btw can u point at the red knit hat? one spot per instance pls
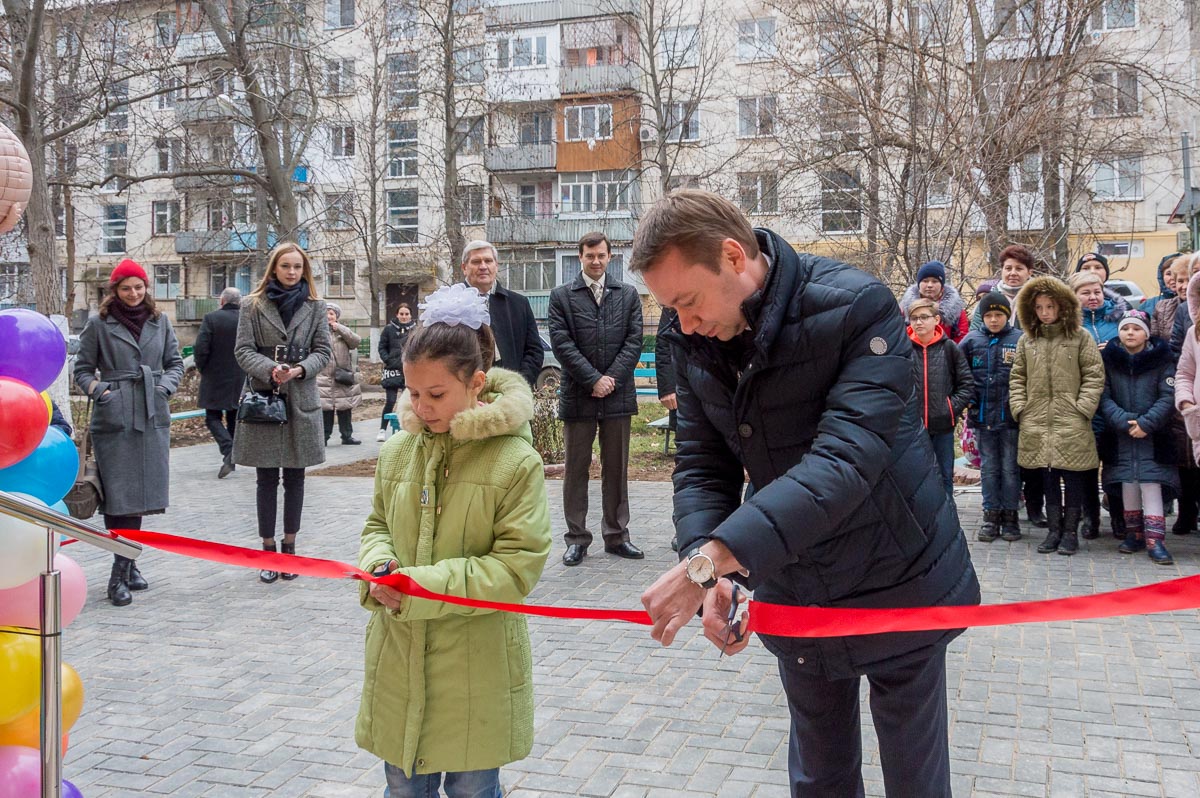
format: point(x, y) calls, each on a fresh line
point(128, 268)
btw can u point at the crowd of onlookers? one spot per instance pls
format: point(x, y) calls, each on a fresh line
point(1070, 398)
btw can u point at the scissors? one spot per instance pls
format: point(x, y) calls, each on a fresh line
point(733, 627)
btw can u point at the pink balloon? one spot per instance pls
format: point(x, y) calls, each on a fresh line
point(20, 772)
point(21, 605)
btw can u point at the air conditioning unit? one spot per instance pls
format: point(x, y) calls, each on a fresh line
point(646, 134)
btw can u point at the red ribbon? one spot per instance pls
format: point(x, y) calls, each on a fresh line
point(772, 619)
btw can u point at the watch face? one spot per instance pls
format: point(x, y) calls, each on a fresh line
point(700, 569)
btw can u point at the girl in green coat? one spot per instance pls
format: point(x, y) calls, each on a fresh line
point(460, 506)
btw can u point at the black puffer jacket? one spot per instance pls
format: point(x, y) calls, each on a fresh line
point(944, 382)
point(593, 341)
point(849, 508)
point(391, 343)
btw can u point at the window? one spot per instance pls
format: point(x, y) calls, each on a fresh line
point(339, 211)
point(112, 229)
point(224, 214)
point(118, 100)
point(588, 122)
point(222, 277)
point(170, 90)
point(839, 122)
point(339, 13)
point(759, 192)
point(166, 281)
point(933, 18)
point(402, 19)
point(756, 117)
point(339, 76)
point(471, 201)
point(402, 149)
point(680, 47)
point(520, 52)
point(833, 60)
point(60, 212)
point(402, 81)
point(1113, 14)
point(616, 267)
point(165, 217)
point(221, 149)
point(1013, 17)
point(1135, 248)
point(1027, 178)
point(169, 154)
point(529, 269)
point(466, 6)
point(165, 34)
point(1118, 179)
point(342, 141)
point(339, 278)
point(116, 162)
point(937, 190)
point(468, 65)
point(536, 127)
point(756, 40)
point(402, 216)
point(1115, 93)
point(527, 195)
point(683, 121)
point(595, 192)
point(841, 201)
point(680, 182)
point(10, 281)
point(471, 129)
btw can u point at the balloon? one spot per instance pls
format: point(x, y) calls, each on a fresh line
point(49, 406)
point(20, 772)
point(16, 179)
point(23, 421)
point(23, 548)
point(26, 730)
point(21, 675)
point(32, 349)
point(61, 507)
point(21, 605)
point(48, 473)
point(69, 790)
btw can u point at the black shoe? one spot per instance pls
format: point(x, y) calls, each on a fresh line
point(989, 530)
point(626, 550)
point(226, 469)
point(1036, 517)
point(288, 548)
point(1091, 526)
point(118, 590)
point(575, 554)
point(675, 545)
point(1010, 528)
point(1184, 525)
point(134, 578)
point(266, 575)
point(351, 441)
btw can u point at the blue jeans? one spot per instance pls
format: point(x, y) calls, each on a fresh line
point(943, 449)
point(1000, 476)
point(468, 784)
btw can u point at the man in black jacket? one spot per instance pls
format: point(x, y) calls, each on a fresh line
point(221, 378)
point(517, 341)
point(596, 333)
point(797, 370)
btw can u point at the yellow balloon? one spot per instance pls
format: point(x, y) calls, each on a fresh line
point(49, 405)
point(21, 675)
point(26, 730)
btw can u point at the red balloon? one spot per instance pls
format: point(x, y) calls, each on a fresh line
point(23, 421)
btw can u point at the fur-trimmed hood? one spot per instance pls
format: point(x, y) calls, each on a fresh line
point(1193, 296)
point(951, 305)
point(1070, 315)
point(1154, 356)
point(506, 409)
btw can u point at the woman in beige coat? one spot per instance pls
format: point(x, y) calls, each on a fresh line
point(340, 397)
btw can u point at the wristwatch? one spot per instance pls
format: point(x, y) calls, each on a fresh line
point(701, 570)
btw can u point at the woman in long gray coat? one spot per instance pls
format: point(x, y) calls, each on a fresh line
point(129, 363)
point(337, 398)
point(282, 345)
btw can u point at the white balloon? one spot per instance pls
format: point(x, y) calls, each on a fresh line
point(22, 551)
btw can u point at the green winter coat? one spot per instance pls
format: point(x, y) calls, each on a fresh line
point(1056, 384)
point(448, 688)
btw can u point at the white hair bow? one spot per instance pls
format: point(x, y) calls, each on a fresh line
point(456, 304)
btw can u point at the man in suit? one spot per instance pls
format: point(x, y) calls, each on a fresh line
point(596, 332)
point(518, 346)
point(221, 378)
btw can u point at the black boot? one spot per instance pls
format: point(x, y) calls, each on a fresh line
point(1091, 524)
point(989, 530)
point(118, 589)
point(1070, 532)
point(134, 578)
point(288, 548)
point(266, 575)
point(1010, 528)
point(1054, 525)
point(1036, 517)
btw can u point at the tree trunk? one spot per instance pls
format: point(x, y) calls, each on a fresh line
point(1052, 210)
point(69, 233)
point(39, 223)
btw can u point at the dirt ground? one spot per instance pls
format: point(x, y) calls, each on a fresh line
point(643, 467)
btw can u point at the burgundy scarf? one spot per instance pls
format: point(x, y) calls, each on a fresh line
point(131, 318)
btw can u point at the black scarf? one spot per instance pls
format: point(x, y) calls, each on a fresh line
point(404, 328)
point(287, 300)
point(131, 318)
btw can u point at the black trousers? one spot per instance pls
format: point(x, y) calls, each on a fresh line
point(222, 424)
point(908, 708)
point(1033, 486)
point(267, 497)
point(122, 522)
point(1070, 495)
point(1091, 497)
point(344, 420)
point(614, 478)
point(1189, 496)
point(389, 404)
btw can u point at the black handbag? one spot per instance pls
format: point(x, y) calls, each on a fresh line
point(262, 407)
point(346, 376)
point(392, 378)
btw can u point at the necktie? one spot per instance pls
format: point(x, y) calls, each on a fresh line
point(597, 292)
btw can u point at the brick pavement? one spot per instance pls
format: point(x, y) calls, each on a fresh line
point(212, 684)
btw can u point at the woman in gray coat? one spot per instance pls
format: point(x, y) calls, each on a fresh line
point(129, 363)
point(282, 345)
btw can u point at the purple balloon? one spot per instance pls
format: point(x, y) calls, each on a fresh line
point(32, 349)
point(70, 790)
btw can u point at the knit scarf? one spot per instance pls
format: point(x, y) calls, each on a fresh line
point(287, 300)
point(131, 318)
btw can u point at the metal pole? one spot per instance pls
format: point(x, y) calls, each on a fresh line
point(51, 703)
point(1189, 205)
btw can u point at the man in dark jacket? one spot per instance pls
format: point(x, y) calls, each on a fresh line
point(517, 341)
point(797, 370)
point(596, 333)
point(221, 378)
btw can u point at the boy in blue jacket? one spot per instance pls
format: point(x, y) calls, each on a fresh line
point(990, 353)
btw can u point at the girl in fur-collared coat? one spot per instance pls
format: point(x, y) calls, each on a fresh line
point(460, 507)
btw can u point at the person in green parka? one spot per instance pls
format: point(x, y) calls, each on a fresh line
point(459, 506)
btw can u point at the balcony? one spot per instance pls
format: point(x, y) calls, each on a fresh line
point(204, 45)
point(301, 179)
point(202, 110)
point(597, 79)
point(523, 158)
point(194, 308)
point(552, 230)
point(542, 11)
point(242, 238)
point(198, 46)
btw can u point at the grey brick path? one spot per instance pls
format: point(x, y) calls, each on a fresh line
point(212, 684)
